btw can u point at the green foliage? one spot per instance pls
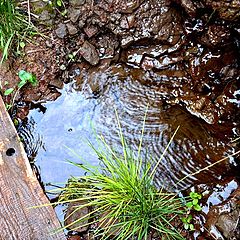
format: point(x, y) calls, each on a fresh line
point(25, 77)
point(122, 197)
point(187, 221)
point(14, 28)
point(57, 5)
point(8, 91)
point(194, 203)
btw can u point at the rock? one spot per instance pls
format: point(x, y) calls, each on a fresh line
point(189, 7)
point(57, 83)
point(46, 18)
point(216, 36)
point(228, 10)
point(76, 3)
point(91, 30)
point(74, 237)
point(224, 216)
point(89, 53)
point(72, 30)
point(74, 14)
point(72, 215)
point(61, 30)
point(81, 24)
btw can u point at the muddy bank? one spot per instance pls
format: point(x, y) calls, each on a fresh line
point(181, 58)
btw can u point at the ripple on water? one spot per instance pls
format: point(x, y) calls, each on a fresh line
point(68, 122)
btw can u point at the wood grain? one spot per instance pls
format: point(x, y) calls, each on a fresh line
point(20, 190)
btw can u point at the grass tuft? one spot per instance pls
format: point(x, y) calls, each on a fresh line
point(121, 196)
point(14, 28)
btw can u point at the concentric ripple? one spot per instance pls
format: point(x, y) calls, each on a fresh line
point(91, 103)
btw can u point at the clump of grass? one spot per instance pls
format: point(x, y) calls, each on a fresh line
point(121, 196)
point(14, 28)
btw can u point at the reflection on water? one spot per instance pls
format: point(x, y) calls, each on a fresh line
point(91, 100)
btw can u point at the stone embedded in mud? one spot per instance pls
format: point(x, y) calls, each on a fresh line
point(151, 20)
point(46, 18)
point(74, 237)
point(89, 53)
point(225, 216)
point(228, 10)
point(107, 45)
point(74, 14)
point(72, 30)
point(57, 83)
point(189, 7)
point(91, 30)
point(61, 30)
point(216, 36)
point(72, 215)
point(76, 3)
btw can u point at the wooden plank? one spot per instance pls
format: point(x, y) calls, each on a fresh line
point(20, 190)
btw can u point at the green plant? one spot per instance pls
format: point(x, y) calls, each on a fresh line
point(121, 196)
point(57, 4)
point(14, 28)
point(25, 77)
point(187, 221)
point(194, 203)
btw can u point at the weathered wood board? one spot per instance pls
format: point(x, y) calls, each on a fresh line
point(20, 190)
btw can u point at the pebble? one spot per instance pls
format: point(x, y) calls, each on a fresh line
point(74, 15)
point(72, 30)
point(61, 30)
point(89, 53)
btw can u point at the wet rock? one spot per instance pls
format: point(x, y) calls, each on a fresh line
point(74, 14)
point(72, 215)
point(89, 53)
point(216, 36)
point(189, 7)
point(61, 30)
point(155, 20)
point(107, 45)
point(74, 237)
point(223, 218)
point(72, 30)
point(57, 83)
point(228, 10)
point(104, 222)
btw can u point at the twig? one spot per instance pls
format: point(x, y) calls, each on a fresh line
point(29, 12)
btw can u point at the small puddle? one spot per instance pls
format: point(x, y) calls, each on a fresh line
point(65, 125)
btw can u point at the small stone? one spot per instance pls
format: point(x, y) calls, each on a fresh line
point(57, 83)
point(49, 44)
point(72, 30)
point(46, 18)
point(76, 3)
point(81, 24)
point(91, 30)
point(124, 23)
point(74, 15)
point(72, 215)
point(89, 53)
point(61, 30)
point(62, 67)
point(74, 237)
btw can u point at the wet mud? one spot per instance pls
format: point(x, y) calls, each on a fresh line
point(180, 58)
